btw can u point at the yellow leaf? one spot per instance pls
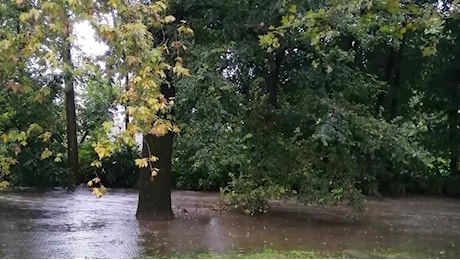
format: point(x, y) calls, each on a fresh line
point(153, 158)
point(4, 184)
point(34, 128)
point(107, 125)
point(159, 130)
point(99, 192)
point(93, 182)
point(102, 149)
point(185, 30)
point(175, 129)
point(4, 137)
point(131, 110)
point(159, 6)
point(113, 3)
point(169, 19)
point(34, 13)
point(23, 17)
point(154, 173)
point(12, 161)
point(141, 163)
point(46, 136)
point(96, 163)
point(45, 154)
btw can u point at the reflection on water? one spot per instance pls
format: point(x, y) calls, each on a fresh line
point(61, 225)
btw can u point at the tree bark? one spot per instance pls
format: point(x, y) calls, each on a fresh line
point(453, 116)
point(155, 194)
point(390, 100)
point(272, 78)
point(71, 118)
point(453, 130)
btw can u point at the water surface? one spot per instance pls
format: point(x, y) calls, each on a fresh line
point(77, 225)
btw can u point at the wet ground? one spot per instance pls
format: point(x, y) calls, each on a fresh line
point(61, 225)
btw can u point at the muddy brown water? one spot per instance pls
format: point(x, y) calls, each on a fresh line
point(61, 225)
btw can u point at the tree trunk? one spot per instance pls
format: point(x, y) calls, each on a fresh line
point(155, 196)
point(71, 130)
point(453, 133)
point(453, 117)
point(272, 78)
point(389, 101)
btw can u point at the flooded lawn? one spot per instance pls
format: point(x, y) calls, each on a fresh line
point(61, 225)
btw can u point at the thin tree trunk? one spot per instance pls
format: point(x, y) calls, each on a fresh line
point(454, 153)
point(390, 100)
point(71, 130)
point(454, 106)
point(272, 78)
point(126, 106)
point(453, 118)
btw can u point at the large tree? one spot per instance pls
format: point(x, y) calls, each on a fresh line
point(144, 54)
point(40, 35)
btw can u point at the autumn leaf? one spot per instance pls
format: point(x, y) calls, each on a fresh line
point(16, 87)
point(4, 138)
point(107, 126)
point(103, 150)
point(99, 192)
point(17, 149)
point(96, 163)
point(185, 30)
point(141, 163)
point(46, 154)
point(154, 172)
point(46, 136)
point(169, 19)
point(92, 182)
point(4, 184)
point(159, 130)
point(35, 14)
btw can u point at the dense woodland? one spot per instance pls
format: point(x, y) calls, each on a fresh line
point(326, 101)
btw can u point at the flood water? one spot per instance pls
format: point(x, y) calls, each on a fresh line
point(77, 225)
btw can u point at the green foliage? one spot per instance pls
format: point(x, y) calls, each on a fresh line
point(99, 98)
point(34, 135)
point(329, 109)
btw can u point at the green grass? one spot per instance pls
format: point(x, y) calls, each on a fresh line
point(292, 254)
point(263, 254)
